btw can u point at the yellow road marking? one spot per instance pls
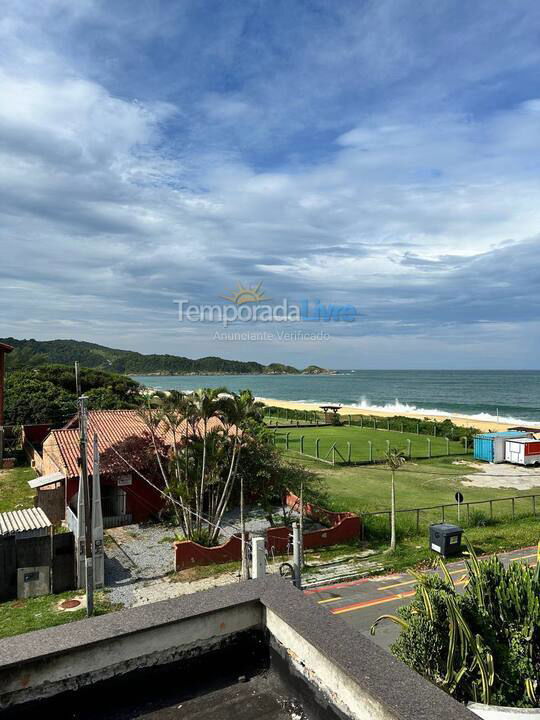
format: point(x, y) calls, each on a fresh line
point(320, 602)
point(412, 582)
point(379, 601)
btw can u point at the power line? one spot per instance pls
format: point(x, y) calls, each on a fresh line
point(174, 500)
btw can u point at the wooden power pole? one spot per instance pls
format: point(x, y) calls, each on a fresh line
point(87, 520)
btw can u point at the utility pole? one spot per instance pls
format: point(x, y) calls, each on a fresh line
point(302, 525)
point(297, 576)
point(97, 520)
point(87, 520)
point(245, 567)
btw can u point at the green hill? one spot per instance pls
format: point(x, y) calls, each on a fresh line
point(35, 353)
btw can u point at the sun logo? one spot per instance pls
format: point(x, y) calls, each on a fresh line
point(246, 295)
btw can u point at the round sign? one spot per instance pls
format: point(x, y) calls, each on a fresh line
point(459, 497)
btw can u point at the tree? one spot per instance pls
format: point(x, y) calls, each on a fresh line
point(239, 410)
point(203, 459)
point(394, 459)
point(48, 394)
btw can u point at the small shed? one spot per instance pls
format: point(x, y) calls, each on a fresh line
point(27, 523)
point(490, 447)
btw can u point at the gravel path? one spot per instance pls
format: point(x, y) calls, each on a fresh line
point(136, 555)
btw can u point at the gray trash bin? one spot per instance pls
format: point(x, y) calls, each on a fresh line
point(445, 539)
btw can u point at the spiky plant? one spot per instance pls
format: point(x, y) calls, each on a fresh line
point(483, 645)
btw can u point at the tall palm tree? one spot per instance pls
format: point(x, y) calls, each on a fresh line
point(207, 403)
point(238, 409)
point(394, 459)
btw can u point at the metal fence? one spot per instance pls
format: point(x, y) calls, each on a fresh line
point(490, 511)
point(367, 452)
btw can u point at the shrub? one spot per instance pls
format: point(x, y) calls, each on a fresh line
point(483, 645)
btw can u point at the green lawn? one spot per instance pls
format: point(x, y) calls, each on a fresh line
point(359, 439)
point(423, 483)
point(14, 490)
point(21, 616)
point(413, 550)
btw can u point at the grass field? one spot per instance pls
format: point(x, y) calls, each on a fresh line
point(14, 490)
point(422, 483)
point(359, 439)
point(20, 616)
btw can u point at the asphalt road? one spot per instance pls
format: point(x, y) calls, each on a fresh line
point(360, 602)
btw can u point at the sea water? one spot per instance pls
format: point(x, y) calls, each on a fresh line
point(510, 395)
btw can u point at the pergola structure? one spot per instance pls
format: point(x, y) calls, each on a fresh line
point(4, 350)
point(330, 410)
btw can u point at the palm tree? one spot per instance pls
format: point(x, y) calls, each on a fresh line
point(394, 459)
point(238, 409)
point(207, 403)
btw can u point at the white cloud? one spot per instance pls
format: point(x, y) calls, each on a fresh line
point(113, 206)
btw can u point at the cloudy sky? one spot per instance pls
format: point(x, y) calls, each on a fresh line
point(382, 153)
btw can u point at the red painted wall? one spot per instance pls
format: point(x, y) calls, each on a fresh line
point(344, 527)
point(142, 501)
point(189, 554)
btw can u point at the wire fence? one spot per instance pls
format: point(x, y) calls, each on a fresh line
point(478, 513)
point(366, 451)
point(275, 415)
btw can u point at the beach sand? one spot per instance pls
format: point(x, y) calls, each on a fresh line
point(481, 425)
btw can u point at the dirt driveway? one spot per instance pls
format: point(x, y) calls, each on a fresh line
point(503, 475)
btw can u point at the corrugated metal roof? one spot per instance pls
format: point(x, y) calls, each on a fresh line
point(17, 521)
point(524, 440)
point(46, 479)
point(112, 427)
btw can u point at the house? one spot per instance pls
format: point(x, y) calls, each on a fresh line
point(127, 495)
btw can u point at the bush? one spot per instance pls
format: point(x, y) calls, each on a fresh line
point(482, 646)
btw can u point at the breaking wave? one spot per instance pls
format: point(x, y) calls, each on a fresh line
point(400, 408)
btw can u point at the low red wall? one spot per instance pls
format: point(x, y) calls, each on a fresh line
point(189, 554)
point(344, 526)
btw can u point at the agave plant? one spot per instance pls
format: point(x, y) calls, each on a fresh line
point(483, 645)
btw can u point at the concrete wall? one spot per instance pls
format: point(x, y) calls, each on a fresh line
point(190, 554)
point(128, 641)
point(347, 669)
point(50, 499)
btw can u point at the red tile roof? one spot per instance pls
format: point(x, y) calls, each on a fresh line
point(112, 427)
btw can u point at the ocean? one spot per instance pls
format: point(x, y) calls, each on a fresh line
point(478, 394)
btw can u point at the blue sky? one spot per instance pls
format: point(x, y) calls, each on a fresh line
point(384, 154)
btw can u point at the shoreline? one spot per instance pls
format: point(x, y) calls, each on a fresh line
point(463, 420)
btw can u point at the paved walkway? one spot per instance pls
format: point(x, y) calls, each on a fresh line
point(360, 602)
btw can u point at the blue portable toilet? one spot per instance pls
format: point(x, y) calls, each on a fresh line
point(490, 447)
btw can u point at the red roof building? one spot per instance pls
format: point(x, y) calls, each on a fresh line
point(126, 496)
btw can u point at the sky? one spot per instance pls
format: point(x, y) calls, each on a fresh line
point(376, 153)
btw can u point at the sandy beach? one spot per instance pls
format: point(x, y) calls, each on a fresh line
point(481, 425)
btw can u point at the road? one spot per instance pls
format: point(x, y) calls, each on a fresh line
point(360, 602)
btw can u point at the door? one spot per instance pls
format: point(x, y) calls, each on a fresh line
point(8, 569)
point(63, 562)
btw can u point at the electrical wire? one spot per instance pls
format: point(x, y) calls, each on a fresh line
point(174, 500)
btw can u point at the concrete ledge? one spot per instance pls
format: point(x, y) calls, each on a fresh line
point(354, 674)
point(360, 672)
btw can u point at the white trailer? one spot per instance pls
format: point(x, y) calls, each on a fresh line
point(522, 451)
